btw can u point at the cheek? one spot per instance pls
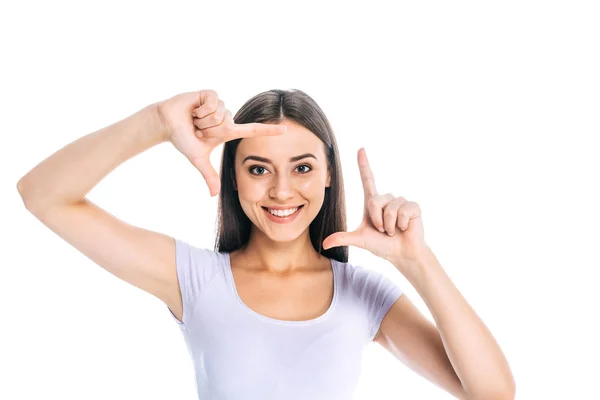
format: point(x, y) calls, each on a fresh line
point(249, 189)
point(249, 193)
point(310, 189)
point(314, 186)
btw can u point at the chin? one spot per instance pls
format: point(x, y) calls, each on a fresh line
point(286, 237)
point(280, 233)
point(283, 234)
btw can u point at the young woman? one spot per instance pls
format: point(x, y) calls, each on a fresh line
point(276, 311)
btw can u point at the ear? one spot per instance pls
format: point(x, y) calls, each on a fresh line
point(328, 184)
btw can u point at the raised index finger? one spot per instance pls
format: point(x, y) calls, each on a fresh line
point(366, 175)
point(258, 129)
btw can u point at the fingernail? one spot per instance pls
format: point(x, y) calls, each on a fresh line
point(381, 230)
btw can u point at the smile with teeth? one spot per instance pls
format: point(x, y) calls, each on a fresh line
point(283, 213)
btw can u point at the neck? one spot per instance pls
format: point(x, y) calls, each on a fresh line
point(267, 255)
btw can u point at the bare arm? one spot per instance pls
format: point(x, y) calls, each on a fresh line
point(458, 353)
point(54, 191)
point(68, 175)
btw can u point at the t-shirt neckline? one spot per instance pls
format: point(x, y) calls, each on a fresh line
point(231, 281)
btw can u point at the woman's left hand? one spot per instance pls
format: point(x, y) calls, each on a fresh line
point(391, 227)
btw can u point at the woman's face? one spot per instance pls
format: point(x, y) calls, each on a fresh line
point(283, 172)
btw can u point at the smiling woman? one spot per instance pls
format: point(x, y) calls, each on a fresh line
point(276, 304)
point(270, 305)
point(284, 180)
point(279, 213)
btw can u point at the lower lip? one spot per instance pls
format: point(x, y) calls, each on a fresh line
point(283, 220)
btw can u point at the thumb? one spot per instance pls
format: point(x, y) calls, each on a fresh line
point(343, 239)
point(208, 172)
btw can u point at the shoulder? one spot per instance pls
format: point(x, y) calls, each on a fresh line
point(365, 281)
point(198, 262)
point(189, 252)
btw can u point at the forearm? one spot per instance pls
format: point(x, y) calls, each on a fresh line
point(474, 354)
point(69, 174)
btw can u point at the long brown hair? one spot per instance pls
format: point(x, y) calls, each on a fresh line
point(273, 106)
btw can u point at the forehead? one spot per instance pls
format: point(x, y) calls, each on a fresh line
point(296, 140)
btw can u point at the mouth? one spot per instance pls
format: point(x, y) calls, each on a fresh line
point(282, 216)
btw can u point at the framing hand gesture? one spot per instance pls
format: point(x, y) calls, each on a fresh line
point(391, 227)
point(197, 122)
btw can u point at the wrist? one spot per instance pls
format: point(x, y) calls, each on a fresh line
point(161, 130)
point(422, 260)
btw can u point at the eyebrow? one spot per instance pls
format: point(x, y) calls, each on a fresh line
point(266, 160)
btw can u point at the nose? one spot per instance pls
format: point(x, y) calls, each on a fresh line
point(282, 188)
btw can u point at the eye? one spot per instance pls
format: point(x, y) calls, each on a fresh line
point(257, 168)
point(305, 166)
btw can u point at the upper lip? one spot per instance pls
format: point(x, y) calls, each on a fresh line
point(281, 207)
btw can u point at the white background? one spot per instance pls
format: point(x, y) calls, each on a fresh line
point(485, 113)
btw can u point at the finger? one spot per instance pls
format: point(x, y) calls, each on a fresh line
point(390, 215)
point(209, 101)
point(410, 210)
point(257, 129)
point(212, 120)
point(208, 172)
point(403, 220)
point(222, 131)
point(375, 207)
point(366, 175)
point(343, 239)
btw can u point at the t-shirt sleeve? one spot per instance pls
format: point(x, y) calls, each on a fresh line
point(196, 267)
point(377, 293)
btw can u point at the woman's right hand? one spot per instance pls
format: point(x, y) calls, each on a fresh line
point(197, 122)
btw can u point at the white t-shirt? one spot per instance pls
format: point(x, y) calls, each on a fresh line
point(241, 354)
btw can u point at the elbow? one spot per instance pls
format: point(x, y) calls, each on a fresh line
point(499, 386)
point(507, 394)
point(20, 187)
point(504, 392)
point(21, 190)
point(510, 391)
point(25, 194)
